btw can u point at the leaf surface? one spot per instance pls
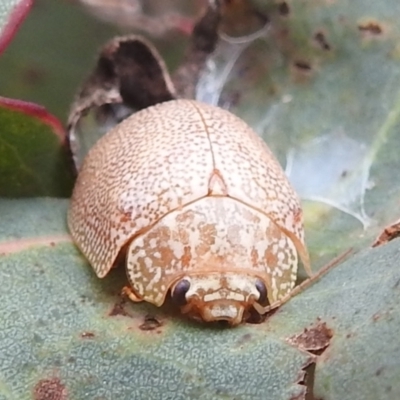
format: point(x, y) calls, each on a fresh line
point(65, 330)
point(33, 156)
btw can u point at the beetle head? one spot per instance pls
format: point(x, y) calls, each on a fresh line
point(216, 297)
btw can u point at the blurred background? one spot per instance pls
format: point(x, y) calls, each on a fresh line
point(57, 44)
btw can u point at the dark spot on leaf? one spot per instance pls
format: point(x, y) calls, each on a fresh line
point(314, 340)
point(50, 389)
point(119, 309)
point(302, 65)
point(379, 371)
point(150, 323)
point(283, 8)
point(83, 298)
point(87, 335)
point(371, 27)
point(321, 40)
point(71, 359)
point(397, 284)
point(33, 75)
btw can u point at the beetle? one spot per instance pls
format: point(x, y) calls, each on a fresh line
point(199, 206)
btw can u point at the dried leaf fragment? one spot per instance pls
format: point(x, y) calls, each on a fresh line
point(129, 75)
point(389, 233)
point(314, 340)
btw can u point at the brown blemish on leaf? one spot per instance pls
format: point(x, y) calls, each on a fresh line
point(283, 8)
point(371, 27)
point(314, 340)
point(321, 40)
point(17, 245)
point(33, 75)
point(87, 335)
point(301, 71)
point(150, 323)
point(50, 389)
point(389, 233)
point(119, 309)
point(302, 65)
point(379, 371)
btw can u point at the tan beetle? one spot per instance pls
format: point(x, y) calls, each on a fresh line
point(187, 192)
point(199, 204)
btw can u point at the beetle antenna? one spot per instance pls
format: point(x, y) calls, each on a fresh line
point(305, 284)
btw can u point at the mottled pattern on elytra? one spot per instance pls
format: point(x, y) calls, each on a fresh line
point(162, 158)
point(212, 235)
point(150, 164)
point(251, 172)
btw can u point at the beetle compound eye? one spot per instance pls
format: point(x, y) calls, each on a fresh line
point(260, 286)
point(179, 292)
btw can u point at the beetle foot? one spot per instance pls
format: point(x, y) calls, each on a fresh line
point(128, 291)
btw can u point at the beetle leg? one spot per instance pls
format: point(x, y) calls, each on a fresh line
point(304, 285)
point(128, 291)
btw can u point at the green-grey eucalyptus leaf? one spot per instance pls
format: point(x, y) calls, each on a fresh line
point(66, 332)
